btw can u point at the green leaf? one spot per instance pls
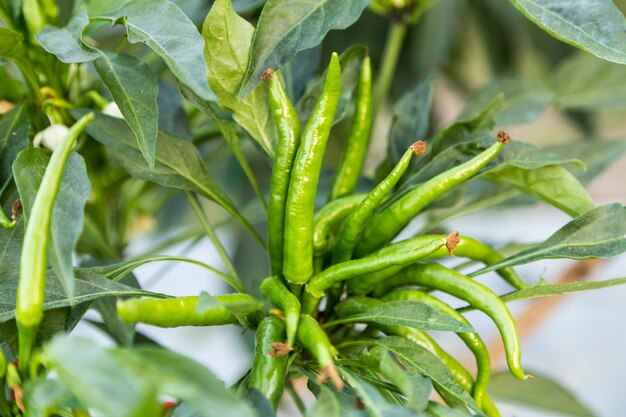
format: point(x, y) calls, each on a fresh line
point(333, 403)
point(584, 82)
point(407, 313)
point(350, 61)
point(96, 378)
point(597, 27)
point(13, 138)
point(228, 38)
point(134, 88)
point(553, 184)
point(11, 250)
point(327, 405)
point(411, 117)
point(558, 289)
point(539, 392)
point(599, 233)
point(187, 380)
point(418, 359)
point(438, 410)
point(66, 42)
point(88, 286)
point(165, 29)
point(10, 43)
point(43, 396)
point(285, 28)
point(376, 404)
point(178, 163)
point(67, 213)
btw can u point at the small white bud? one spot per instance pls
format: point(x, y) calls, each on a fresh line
point(50, 137)
point(111, 109)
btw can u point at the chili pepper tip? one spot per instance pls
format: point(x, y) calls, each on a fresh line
point(268, 75)
point(503, 137)
point(451, 241)
point(418, 148)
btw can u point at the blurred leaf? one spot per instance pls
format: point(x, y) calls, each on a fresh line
point(134, 88)
point(262, 405)
point(327, 405)
point(538, 392)
point(598, 27)
point(416, 358)
point(43, 396)
point(585, 82)
point(94, 375)
point(165, 29)
point(410, 314)
point(178, 163)
point(10, 43)
point(13, 138)
point(411, 117)
point(284, 28)
point(599, 233)
point(375, 403)
point(597, 154)
point(524, 100)
point(350, 61)
point(66, 42)
point(187, 380)
point(228, 38)
point(88, 286)
point(438, 410)
point(67, 214)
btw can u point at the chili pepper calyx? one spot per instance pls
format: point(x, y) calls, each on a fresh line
point(330, 373)
point(268, 75)
point(280, 349)
point(418, 148)
point(503, 137)
point(16, 209)
point(451, 241)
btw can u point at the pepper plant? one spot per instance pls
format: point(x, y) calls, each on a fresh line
point(117, 117)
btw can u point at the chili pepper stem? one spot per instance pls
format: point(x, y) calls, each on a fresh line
point(391, 54)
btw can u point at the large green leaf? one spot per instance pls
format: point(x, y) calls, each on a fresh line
point(539, 392)
point(66, 42)
point(67, 213)
point(13, 138)
point(98, 380)
point(10, 43)
point(187, 380)
point(407, 313)
point(165, 29)
point(584, 82)
point(599, 233)
point(228, 38)
point(177, 162)
point(134, 88)
point(88, 287)
point(596, 26)
point(417, 359)
point(285, 28)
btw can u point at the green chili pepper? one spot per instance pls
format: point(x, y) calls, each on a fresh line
point(283, 299)
point(183, 311)
point(5, 222)
point(440, 278)
point(312, 337)
point(391, 219)
point(346, 270)
point(471, 340)
point(288, 128)
point(269, 370)
point(298, 246)
point(30, 290)
point(353, 158)
point(358, 218)
point(466, 248)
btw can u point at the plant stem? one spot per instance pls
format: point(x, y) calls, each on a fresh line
point(296, 397)
point(391, 53)
point(195, 205)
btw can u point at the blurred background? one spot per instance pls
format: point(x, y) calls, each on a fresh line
point(555, 96)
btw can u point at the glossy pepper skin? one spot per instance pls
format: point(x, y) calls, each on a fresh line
point(288, 129)
point(183, 311)
point(312, 337)
point(269, 370)
point(357, 143)
point(392, 218)
point(282, 298)
point(298, 239)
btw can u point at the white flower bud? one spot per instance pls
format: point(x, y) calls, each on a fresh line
point(111, 109)
point(50, 137)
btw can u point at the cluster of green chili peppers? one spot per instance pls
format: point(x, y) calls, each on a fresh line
point(342, 255)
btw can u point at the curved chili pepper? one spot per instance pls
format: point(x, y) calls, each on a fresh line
point(298, 239)
point(283, 299)
point(312, 337)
